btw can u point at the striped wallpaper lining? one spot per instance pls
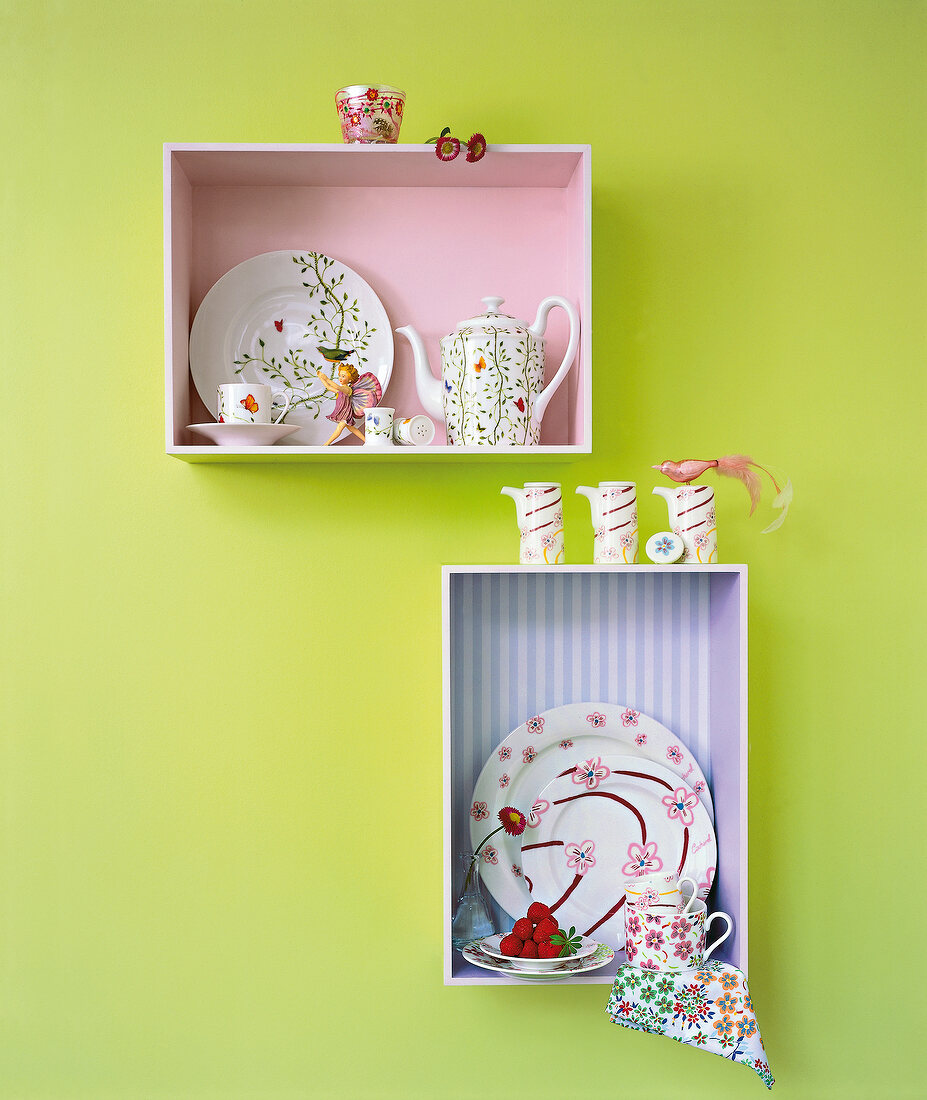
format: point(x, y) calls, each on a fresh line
point(521, 643)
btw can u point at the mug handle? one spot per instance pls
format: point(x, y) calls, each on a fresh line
point(720, 939)
point(286, 407)
point(694, 897)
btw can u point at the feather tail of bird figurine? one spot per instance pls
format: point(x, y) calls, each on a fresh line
point(741, 467)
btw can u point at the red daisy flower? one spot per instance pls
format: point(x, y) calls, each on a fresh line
point(372, 94)
point(476, 148)
point(447, 147)
point(513, 821)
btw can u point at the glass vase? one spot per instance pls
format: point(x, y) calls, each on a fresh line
point(471, 916)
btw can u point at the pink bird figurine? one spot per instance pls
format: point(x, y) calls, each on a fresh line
point(738, 466)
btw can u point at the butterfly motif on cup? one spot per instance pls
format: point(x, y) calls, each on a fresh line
point(479, 365)
point(249, 403)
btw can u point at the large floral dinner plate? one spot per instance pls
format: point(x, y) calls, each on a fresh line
point(280, 317)
point(564, 968)
point(606, 820)
point(538, 751)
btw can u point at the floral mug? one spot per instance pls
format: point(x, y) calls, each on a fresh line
point(671, 941)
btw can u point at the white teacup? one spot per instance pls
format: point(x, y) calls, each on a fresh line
point(661, 892)
point(378, 426)
point(668, 941)
point(250, 403)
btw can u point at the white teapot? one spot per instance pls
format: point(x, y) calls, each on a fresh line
point(491, 391)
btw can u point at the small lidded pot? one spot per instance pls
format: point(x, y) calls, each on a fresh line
point(370, 114)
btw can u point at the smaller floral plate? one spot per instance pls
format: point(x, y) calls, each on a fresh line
point(563, 968)
point(491, 946)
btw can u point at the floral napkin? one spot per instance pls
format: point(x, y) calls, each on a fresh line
point(708, 1008)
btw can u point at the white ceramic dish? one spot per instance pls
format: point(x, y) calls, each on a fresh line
point(265, 321)
point(491, 946)
point(538, 751)
point(565, 968)
point(244, 435)
point(608, 820)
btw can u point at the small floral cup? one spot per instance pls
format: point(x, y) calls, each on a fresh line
point(661, 892)
point(370, 114)
point(378, 427)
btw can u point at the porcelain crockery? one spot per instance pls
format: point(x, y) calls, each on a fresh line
point(672, 941)
point(378, 427)
point(539, 510)
point(249, 403)
point(563, 968)
point(491, 946)
point(244, 435)
point(692, 517)
point(491, 391)
point(614, 518)
point(413, 431)
point(662, 892)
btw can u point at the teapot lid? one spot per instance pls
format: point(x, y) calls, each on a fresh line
point(492, 318)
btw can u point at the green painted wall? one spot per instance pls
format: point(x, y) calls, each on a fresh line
point(220, 841)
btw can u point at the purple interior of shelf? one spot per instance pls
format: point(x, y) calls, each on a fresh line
point(665, 642)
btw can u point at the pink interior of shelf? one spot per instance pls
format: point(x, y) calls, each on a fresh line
point(431, 253)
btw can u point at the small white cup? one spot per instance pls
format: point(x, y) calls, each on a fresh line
point(661, 892)
point(249, 403)
point(414, 431)
point(378, 427)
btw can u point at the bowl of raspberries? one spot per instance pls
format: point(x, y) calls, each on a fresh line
point(537, 942)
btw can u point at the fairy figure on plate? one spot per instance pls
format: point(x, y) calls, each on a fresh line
point(354, 392)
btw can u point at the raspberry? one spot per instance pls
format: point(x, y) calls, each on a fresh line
point(548, 950)
point(548, 927)
point(529, 950)
point(523, 929)
point(537, 911)
point(510, 945)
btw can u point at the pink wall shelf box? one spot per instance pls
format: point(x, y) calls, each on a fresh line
point(431, 238)
point(669, 641)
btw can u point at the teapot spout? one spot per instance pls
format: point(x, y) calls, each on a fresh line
point(427, 386)
point(518, 495)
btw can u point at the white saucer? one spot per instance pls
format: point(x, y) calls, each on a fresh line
point(244, 435)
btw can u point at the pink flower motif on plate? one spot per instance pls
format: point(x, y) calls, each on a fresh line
point(489, 854)
point(700, 787)
point(479, 810)
point(504, 779)
point(595, 719)
point(674, 754)
point(566, 744)
point(679, 804)
point(642, 860)
point(535, 724)
point(529, 754)
point(705, 885)
point(536, 812)
point(580, 857)
point(516, 870)
point(505, 752)
point(591, 773)
point(641, 739)
point(629, 717)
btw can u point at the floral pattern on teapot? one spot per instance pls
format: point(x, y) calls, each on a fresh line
point(491, 382)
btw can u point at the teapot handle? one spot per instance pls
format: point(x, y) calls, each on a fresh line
point(540, 324)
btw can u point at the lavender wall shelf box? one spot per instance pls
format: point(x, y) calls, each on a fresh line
point(670, 641)
point(431, 238)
